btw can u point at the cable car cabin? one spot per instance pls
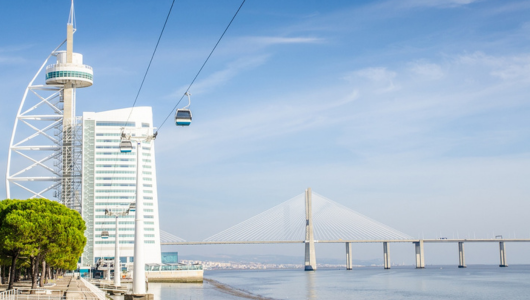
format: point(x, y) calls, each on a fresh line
point(183, 117)
point(132, 207)
point(125, 146)
point(105, 234)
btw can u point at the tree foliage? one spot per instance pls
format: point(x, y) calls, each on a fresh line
point(41, 230)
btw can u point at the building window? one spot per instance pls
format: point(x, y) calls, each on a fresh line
point(115, 184)
point(115, 123)
point(115, 191)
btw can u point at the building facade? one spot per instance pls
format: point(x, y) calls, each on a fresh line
point(109, 182)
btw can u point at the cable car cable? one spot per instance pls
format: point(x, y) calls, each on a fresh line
point(151, 60)
point(200, 70)
point(140, 89)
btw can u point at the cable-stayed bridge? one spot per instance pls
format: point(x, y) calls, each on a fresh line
point(311, 218)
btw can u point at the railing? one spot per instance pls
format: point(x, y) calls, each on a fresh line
point(95, 290)
point(158, 268)
point(67, 65)
point(8, 295)
point(43, 294)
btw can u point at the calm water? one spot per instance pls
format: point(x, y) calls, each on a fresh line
point(446, 282)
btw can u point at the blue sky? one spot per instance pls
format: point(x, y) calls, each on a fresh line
point(415, 112)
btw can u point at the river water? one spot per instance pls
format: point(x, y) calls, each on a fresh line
point(442, 282)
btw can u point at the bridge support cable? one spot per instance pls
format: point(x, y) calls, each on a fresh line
point(287, 221)
point(334, 221)
point(283, 222)
point(166, 237)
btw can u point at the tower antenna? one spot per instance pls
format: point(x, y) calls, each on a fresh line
point(71, 17)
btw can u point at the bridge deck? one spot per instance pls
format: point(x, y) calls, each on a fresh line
point(353, 241)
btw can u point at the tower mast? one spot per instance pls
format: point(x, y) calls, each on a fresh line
point(51, 141)
point(68, 196)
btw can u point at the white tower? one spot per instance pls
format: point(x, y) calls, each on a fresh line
point(52, 143)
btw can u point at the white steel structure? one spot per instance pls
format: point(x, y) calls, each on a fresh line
point(109, 182)
point(50, 139)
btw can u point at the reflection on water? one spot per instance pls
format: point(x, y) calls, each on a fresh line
point(310, 285)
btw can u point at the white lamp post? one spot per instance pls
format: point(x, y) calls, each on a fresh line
point(139, 264)
point(117, 264)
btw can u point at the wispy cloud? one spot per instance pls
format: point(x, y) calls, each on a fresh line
point(515, 67)
point(5, 59)
point(426, 70)
point(277, 40)
point(382, 78)
point(231, 70)
point(437, 3)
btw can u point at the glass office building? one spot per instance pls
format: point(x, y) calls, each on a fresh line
point(109, 182)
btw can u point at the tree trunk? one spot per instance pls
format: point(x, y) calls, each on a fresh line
point(34, 273)
point(48, 273)
point(1, 279)
point(41, 283)
point(17, 275)
point(12, 271)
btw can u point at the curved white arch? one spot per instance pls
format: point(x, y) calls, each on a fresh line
point(19, 176)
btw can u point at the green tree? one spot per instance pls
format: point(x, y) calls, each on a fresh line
point(41, 230)
point(14, 233)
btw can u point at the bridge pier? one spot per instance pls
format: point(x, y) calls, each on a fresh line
point(310, 259)
point(461, 255)
point(386, 255)
point(420, 259)
point(349, 258)
point(502, 251)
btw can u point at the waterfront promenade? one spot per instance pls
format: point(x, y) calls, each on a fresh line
point(67, 287)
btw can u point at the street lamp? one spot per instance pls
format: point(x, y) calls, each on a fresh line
point(139, 265)
point(117, 264)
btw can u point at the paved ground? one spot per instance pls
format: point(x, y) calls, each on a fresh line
point(67, 286)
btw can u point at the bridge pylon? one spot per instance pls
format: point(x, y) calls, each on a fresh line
point(310, 259)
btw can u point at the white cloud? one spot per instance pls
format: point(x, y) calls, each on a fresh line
point(11, 60)
point(437, 3)
point(382, 78)
point(426, 70)
point(217, 78)
point(516, 67)
point(275, 40)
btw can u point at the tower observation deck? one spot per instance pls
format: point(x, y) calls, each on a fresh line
point(51, 141)
point(75, 72)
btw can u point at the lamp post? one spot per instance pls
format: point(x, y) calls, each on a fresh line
point(139, 264)
point(117, 264)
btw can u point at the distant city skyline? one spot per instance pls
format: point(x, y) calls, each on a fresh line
point(413, 113)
